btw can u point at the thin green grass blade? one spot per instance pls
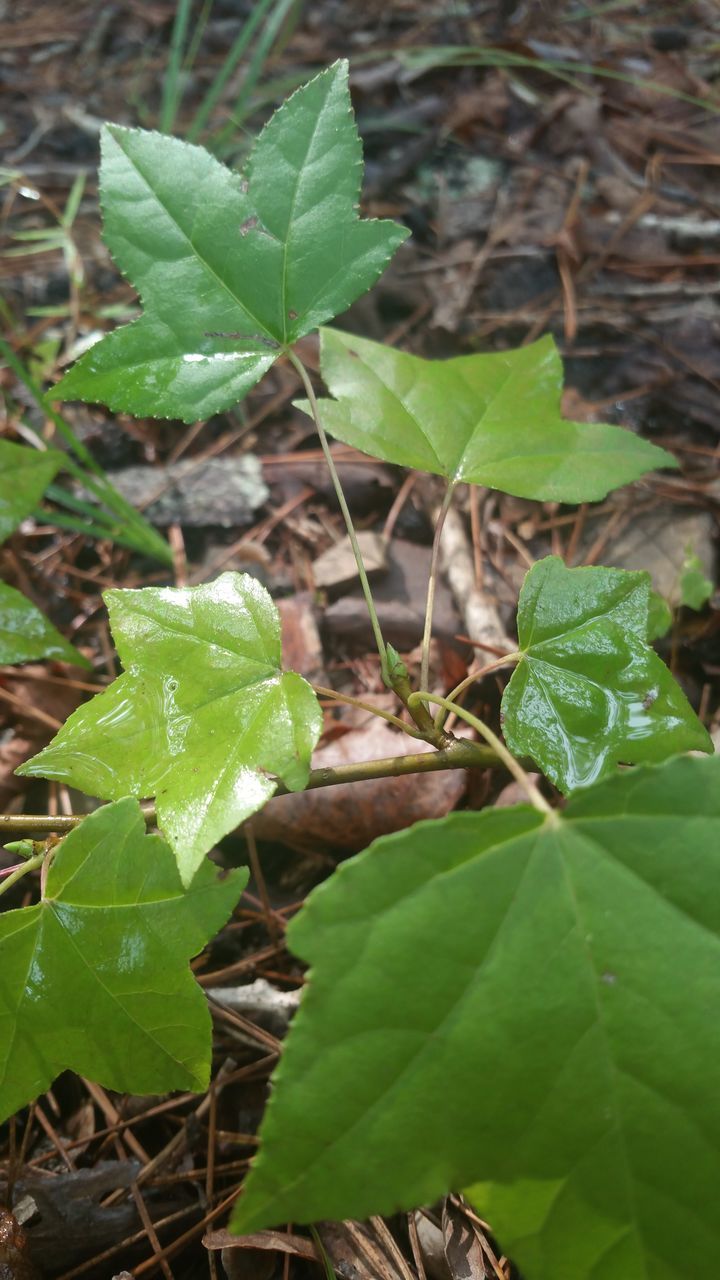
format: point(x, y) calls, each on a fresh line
point(98, 515)
point(260, 55)
point(172, 90)
point(235, 53)
point(424, 59)
point(73, 202)
point(143, 536)
point(197, 35)
point(88, 528)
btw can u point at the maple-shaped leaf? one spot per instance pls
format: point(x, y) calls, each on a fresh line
point(231, 269)
point(95, 977)
point(203, 718)
point(525, 1004)
point(491, 419)
point(589, 692)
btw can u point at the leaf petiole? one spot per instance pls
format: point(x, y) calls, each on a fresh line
point(429, 607)
point(13, 874)
point(300, 369)
point(367, 706)
point(470, 679)
point(513, 766)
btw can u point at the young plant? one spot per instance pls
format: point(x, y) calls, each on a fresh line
point(513, 1002)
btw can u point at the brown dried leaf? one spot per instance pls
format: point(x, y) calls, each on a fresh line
point(464, 1252)
point(274, 1241)
point(355, 1253)
point(348, 817)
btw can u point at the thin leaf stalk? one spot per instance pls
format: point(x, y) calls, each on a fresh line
point(368, 706)
point(365, 584)
point(432, 580)
point(13, 874)
point(460, 688)
point(512, 765)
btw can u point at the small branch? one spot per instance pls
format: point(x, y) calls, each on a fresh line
point(429, 607)
point(374, 620)
point(420, 714)
point(458, 755)
point(513, 766)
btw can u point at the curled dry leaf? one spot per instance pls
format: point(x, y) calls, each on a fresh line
point(354, 1250)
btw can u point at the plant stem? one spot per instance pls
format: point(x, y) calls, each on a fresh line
point(374, 621)
point(18, 872)
point(470, 679)
point(458, 755)
point(420, 714)
point(430, 605)
point(367, 706)
point(511, 764)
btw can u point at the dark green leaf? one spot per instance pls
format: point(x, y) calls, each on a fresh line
point(490, 419)
point(200, 718)
point(261, 259)
point(26, 635)
point(24, 476)
point(95, 978)
point(524, 1004)
point(589, 693)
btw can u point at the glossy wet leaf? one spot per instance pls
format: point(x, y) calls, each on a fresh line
point(589, 693)
point(26, 635)
point(95, 977)
point(261, 258)
point(695, 588)
point(24, 476)
point(491, 419)
point(524, 1005)
point(201, 718)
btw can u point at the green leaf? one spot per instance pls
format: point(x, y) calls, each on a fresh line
point(695, 588)
point(488, 419)
point(26, 635)
point(261, 259)
point(526, 1004)
point(199, 719)
point(95, 978)
point(589, 693)
point(24, 476)
point(660, 616)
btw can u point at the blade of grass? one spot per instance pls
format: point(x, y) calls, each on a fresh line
point(330, 1273)
point(426, 58)
point(86, 527)
point(73, 202)
point(261, 52)
point(172, 89)
point(197, 35)
point(93, 478)
point(64, 498)
point(235, 53)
